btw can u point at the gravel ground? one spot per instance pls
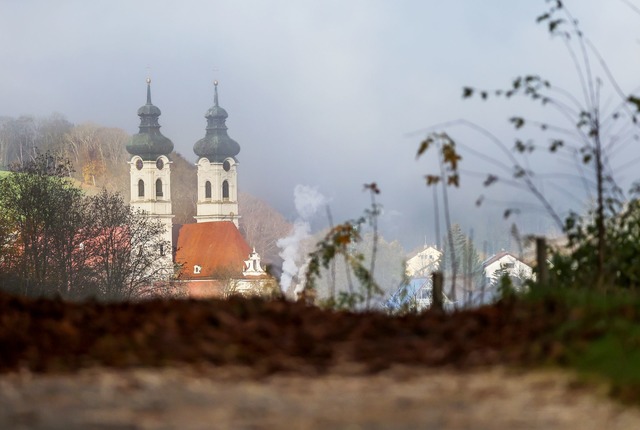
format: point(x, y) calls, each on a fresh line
point(227, 398)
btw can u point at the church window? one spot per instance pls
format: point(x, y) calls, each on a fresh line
point(207, 190)
point(225, 190)
point(158, 188)
point(140, 188)
point(162, 250)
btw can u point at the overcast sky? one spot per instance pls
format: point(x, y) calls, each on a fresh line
point(321, 93)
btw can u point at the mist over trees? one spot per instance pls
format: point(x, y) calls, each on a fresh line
point(20, 138)
point(96, 154)
point(262, 226)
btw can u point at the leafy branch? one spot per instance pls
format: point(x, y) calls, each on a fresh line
point(340, 241)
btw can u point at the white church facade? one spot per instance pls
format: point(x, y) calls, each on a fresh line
point(213, 258)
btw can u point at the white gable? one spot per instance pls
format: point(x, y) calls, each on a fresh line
point(424, 262)
point(509, 263)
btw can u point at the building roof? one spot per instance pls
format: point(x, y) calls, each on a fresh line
point(149, 143)
point(498, 257)
point(425, 250)
point(216, 145)
point(217, 247)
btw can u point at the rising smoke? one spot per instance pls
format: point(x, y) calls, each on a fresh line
point(307, 201)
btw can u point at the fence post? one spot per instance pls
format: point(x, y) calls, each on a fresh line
point(437, 282)
point(541, 257)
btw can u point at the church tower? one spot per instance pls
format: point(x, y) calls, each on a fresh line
point(217, 169)
point(150, 170)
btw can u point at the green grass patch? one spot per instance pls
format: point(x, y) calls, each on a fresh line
point(600, 333)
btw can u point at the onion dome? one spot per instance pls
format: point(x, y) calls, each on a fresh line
point(216, 145)
point(149, 143)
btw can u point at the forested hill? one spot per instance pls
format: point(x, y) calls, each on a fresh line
point(97, 153)
point(99, 160)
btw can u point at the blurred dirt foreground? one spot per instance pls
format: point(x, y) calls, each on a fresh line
point(398, 398)
point(252, 364)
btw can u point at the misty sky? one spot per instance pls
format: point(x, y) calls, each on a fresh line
point(320, 93)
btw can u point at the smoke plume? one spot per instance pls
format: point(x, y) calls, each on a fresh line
point(307, 201)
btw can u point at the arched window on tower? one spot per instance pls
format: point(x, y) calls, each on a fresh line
point(207, 190)
point(140, 188)
point(225, 190)
point(158, 188)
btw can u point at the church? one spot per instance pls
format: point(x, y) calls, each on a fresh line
point(208, 258)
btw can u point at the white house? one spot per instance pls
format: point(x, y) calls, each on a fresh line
point(424, 262)
point(503, 262)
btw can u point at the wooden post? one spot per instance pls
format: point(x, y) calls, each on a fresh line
point(437, 281)
point(541, 257)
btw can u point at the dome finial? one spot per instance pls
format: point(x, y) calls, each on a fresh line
point(149, 143)
point(216, 144)
point(149, 91)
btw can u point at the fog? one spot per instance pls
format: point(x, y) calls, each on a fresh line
point(330, 95)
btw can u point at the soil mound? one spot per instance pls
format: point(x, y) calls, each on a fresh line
point(45, 335)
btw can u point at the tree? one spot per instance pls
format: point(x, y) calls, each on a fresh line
point(262, 226)
point(622, 266)
point(51, 132)
point(584, 132)
point(22, 137)
point(127, 255)
point(463, 259)
point(45, 215)
point(99, 155)
point(54, 240)
point(19, 142)
point(389, 274)
point(343, 245)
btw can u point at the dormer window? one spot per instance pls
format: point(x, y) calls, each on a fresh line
point(197, 269)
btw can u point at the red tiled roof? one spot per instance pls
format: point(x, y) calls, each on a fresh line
point(218, 247)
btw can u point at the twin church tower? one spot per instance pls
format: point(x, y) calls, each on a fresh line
point(150, 169)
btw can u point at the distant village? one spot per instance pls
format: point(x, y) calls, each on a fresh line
point(417, 292)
